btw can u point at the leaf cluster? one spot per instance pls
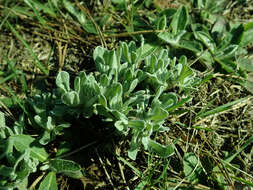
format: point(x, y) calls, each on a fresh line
point(130, 90)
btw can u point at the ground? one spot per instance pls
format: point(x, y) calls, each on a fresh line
point(63, 45)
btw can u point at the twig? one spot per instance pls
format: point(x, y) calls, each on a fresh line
point(32, 187)
point(77, 150)
point(121, 168)
point(219, 164)
point(106, 173)
point(101, 36)
point(127, 34)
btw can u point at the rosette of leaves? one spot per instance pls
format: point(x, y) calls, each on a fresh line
point(48, 116)
point(179, 73)
point(18, 158)
point(205, 33)
point(129, 91)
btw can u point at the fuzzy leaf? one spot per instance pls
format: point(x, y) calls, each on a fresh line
point(192, 169)
point(81, 17)
point(162, 23)
point(49, 182)
point(227, 52)
point(71, 98)
point(66, 167)
point(180, 20)
point(206, 39)
point(170, 38)
point(193, 46)
point(161, 150)
point(157, 114)
point(62, 81)
point(26, 142)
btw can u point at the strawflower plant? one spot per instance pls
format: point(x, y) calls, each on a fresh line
point(131, 92)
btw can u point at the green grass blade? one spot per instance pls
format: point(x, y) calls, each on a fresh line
point(243, 181)
point(16, 99)
point(40, 19)
point(8, 78)
point(180, 103)
point(138, 173)
point(230, 158)
point(247, 143)
point(223, 108)
point(37, 62)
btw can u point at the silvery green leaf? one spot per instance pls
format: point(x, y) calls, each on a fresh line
point(168, 100)
point(132, 153)
point(49, 182)
point(227, 52)
point(199, 3)
point(7, 148)
point(158, 93)
point(128, 75)
point(114, 95)
point(160, 65)
point(104, 80)
point(23, 142)
point(45, 138)
point(2, 125)
point(246, 64)
point(162, 23)
point(20, 125)
point(62, 81)
point(125, 51)
point(23, 167)
point(137, 124)
point(67, 167)
point(89, 88)
point(146, 50)
point(192, 169)
point(136, 98)
point(219, 28)
point(50, 125)
point(71, 98)
point(98, 53)
point(163, 55)
point(132, 86)
point(63, 125)
point(120, 126)
point(112, 61)
point(40, 121)
point(77, 84)
point(102, 100)
point(140, 75)
point(134, 58)
point(154, 80)
point(139, 51)
point(247, 37)
point(227, 64)
point(180, 20)
point(98, 56)
point(170, 38)
point(145, 142)
point(193, 46)
point(7, 171)
point(157, 114)
point(185, 72)
point(104, 111)
point(2, 120)
point(161, 150)
point(206, 39)
point(132, 47)
point(119, 116)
